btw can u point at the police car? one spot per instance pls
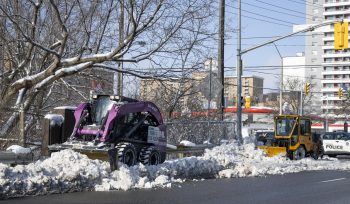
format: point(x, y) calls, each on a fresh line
point(336, 143)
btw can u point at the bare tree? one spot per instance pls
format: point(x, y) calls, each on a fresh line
point(294, 87)
point(343, 104)
point(44, 42)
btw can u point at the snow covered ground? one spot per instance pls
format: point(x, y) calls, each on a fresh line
point(69, 171)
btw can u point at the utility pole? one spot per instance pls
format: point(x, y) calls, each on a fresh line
point(209, 100)
point(239, 74)
point(301, 102)
point(281, 82)
point(210, 79)
point(121, 39)
point(221, 57)
point(326, 125)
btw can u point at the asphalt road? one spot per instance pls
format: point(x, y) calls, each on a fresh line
point(305, 187)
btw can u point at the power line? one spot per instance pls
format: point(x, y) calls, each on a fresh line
point(297, 65)
point(266, 21)
point(280, 45)
point(277, 36)
point(275, 74)
point(268, 37)
point(283, 8)
point(268, 9)
point(306, 2)
point(279, 20)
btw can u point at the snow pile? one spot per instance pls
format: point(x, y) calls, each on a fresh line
point(163, 175)
point(187, 143)
point(55, 119)
point(68, 171)
point(19, 149)
point(245, 160)
point(65, 171)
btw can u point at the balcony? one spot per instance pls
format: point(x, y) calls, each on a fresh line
point(335, 3)
point(328, 38)
point(336, 63)
point(335, 81)
point(335, 72)
point(336, 12)
point(328, 47)
point(328, 55)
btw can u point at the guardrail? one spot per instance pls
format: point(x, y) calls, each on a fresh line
point(185, 151)
point(8, 157)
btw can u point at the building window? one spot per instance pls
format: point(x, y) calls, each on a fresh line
point(314, 52)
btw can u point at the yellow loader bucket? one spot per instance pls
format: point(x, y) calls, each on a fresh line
point(96, 155)
point(273, 151)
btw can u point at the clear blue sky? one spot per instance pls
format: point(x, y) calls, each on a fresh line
point(260, 19)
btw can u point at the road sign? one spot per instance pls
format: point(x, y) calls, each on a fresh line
point(216, 86)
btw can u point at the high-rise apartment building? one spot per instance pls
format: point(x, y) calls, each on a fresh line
point(331, 68)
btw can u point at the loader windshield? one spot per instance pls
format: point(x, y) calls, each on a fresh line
point(284, 126)
point(102, 105)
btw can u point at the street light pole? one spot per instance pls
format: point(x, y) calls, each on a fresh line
point(121, 39)
point(281, 80)
point(239, 75)
point(327, 115)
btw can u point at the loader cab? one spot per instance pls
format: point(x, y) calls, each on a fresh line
point(291, 131)
point(101, 104)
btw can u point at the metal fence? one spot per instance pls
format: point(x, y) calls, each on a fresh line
point(26, 127)
point(199, 132)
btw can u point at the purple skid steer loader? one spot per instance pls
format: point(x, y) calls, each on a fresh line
point(120, 129)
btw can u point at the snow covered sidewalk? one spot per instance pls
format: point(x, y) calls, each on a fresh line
point(69, 171)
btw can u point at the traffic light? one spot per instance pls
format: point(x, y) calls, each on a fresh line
point(307, 88)
point(247, 102)
point(341, 32)
point(242, 101)
point(340, 93)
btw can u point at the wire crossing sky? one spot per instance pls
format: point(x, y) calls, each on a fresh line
point(263, 20)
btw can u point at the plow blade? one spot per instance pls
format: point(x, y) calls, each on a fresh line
point(92, 152)
point(273, 151)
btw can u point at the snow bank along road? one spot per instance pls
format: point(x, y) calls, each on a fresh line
point(68, 171)
point(319, 187)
